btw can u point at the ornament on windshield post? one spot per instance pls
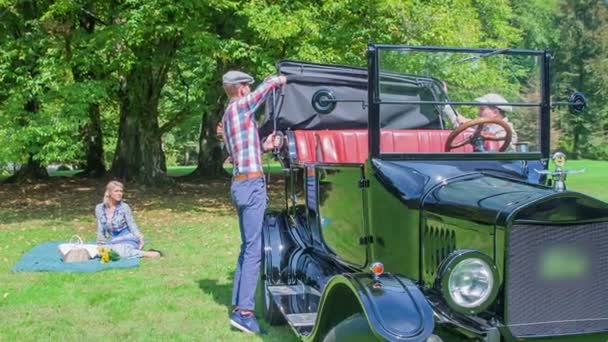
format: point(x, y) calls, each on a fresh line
point(558, 176)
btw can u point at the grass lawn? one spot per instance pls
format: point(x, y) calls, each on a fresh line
point(594, 181)
point(184, 296)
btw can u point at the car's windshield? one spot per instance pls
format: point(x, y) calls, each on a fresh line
point(497, 95)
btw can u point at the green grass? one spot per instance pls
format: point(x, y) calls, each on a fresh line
point(176, 171)
point(593, 181)
point(184, 296)
point(173, 171)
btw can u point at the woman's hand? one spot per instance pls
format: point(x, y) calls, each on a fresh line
point(141, 242)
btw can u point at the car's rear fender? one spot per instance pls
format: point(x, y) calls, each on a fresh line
point(277, 245)
point(395, 308)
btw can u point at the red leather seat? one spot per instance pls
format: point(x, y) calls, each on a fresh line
point(351, 146)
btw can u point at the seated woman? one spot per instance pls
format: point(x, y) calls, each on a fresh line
point(116, 228)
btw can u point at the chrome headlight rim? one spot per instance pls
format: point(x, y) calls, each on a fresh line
point(447, 267)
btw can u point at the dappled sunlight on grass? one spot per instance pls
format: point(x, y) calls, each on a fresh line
point(184, 295)
point(75, 199)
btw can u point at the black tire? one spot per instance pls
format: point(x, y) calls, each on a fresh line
point(354, 328)
point(266, 305)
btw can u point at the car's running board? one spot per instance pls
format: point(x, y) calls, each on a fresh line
point(298, 303)
point(300, 320)
point(291, 290)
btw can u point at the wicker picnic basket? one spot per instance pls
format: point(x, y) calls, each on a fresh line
point(74, 251)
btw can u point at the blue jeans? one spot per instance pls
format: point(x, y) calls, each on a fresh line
point(249, 197)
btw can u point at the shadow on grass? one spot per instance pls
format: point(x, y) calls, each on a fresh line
point(221, 293)
point(72, 198)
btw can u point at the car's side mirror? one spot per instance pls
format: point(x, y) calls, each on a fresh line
point(577, 102)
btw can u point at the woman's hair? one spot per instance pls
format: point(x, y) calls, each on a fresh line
point(111, 186)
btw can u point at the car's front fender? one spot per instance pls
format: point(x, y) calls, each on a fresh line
point(395, 308)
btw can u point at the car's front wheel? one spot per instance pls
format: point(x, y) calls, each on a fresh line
point(354, 328)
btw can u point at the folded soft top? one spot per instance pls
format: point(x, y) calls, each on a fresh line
point(295, 109)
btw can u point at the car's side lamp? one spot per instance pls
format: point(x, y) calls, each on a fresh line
point(377, 269)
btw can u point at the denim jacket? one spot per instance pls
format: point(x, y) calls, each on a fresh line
point(120, 228)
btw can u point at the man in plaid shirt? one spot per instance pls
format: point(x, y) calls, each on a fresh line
point(248, 187)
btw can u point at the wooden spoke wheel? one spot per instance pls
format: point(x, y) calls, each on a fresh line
point(450, 144)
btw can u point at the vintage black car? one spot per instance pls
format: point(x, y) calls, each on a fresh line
point(400, 225)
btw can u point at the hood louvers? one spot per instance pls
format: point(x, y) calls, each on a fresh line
point(439, 242)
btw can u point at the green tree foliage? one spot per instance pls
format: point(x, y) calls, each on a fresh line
point(581, 64)
point(50, 59)
point(40, 117)
point(537, 19)
point(136, 84)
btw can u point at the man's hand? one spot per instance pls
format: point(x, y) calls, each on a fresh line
point(219, 131)
point(272, 141)
point(461, 119)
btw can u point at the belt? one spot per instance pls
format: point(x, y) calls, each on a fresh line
point(244, 176)
point(310, 171)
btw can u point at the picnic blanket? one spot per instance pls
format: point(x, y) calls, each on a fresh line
point(45, 257)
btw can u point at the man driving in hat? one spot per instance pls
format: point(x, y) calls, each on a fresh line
point(494, 112)
point(248, 189)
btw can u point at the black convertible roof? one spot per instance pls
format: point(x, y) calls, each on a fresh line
point(295, 110)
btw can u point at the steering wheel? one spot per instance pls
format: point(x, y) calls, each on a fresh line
point(480, 123)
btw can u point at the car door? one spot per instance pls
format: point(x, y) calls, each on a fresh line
point(341, 211)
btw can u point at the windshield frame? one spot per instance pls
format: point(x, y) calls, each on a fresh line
point(374, 102)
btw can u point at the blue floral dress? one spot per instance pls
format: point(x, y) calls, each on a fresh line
point(119, 232)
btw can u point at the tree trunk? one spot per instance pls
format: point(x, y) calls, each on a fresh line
point(33, 169)
point(210, 155)
point(30, 171)
point(93, 139)
point(139, 155)
point(576, 143)
point(91, 131)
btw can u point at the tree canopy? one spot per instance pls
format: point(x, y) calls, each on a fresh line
point(130, 86)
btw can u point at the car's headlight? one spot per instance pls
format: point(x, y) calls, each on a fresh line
point(468, 281)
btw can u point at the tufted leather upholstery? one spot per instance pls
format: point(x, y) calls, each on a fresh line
point(351, 146)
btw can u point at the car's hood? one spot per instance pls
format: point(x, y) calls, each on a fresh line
point(486, 192)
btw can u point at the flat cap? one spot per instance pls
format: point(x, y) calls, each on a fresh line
point(495, 98)
point(236, 77)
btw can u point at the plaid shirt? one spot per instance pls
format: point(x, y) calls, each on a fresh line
point(241, 130)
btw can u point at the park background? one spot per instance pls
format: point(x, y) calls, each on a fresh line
point(95, 90)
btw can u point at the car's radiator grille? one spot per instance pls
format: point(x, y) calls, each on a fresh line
point(439, 242)
point(557, 279)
